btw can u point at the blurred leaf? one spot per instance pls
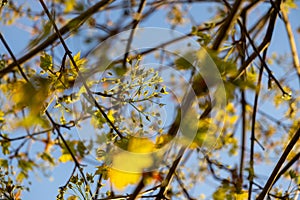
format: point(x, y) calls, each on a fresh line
point(288, 4)
point(242, 196)
point(199, 86)
point(65, 158)
point(140, 145)
point(5, 146)
point(121, 179)
point(32, 120)
point(31, 95)
point(185, 62)
point(292, 174)
point(3, 163)
point(205, 136)
point(81, 149)
point(72, 197)
point(47, 157)
point(2, 119)
point(287, 96)
point(45, 61)
point(224, 192)
point(103, 170)
point(45, 32)
point(127, 166)
point(21, 176)
point(110, 115)
point(70, 4)
point(161, 140)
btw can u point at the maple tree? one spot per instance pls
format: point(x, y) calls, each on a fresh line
point(202, 108)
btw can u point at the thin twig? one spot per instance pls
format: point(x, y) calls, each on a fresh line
point(135, 23)
point(243, 141)
point(264, 44)
point(292, 42)
point(279, 164)
point(287, 166)
point(99, 185)
point(243, 104)
point(72, 25)
point(72, 173)
point(253, 138)
point(137, 189)
point(13, 57)
point(170, 174)
point(257, 52)
point(186, 193)
point(222, 32)
point(68, 52)
point(24, 136)
point(57, 128)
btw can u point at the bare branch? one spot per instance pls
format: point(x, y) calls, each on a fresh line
point(135, 24)
point(222, 33)
point(72, 25)
point(279, 164)
point(292, 42)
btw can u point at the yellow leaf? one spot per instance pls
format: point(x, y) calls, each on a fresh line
point(72, 198)
point(79, 61)
point(65, 158)
point(242, 196)
point(140, 145)
point(162, 140)
point(26, 94)
point(127, 166)
point(122, 179)
point(132, 162)
point(70, 5)
point(31, 120)
point(110, 115)
point(1, 116)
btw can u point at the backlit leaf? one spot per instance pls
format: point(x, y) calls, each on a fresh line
point(45, 61)
point(122, 179)
point(70, 4)
point(65, 158)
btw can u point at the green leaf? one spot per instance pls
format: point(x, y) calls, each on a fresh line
point(292, 174)
point(3, 163)
point(185, 62)
point(103, 170)
point(47, 157)
point(45, 32)
point(5, 146)
point(45, 61)
point(199, 86)
point(21, 176)
point(81, 149)
point(25, 165)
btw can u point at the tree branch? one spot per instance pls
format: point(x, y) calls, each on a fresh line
point(253, 138)
point(222, 32)
point(287, 166)
point(167, 180)
point(71, 26)
point(292, 42)
point(135, 24)
point(278, 166)
point(265, 43)
point(68, 52)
